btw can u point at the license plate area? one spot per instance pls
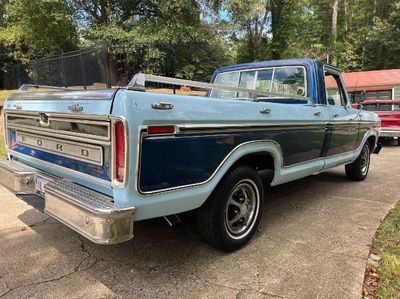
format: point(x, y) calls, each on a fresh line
point(88, 153)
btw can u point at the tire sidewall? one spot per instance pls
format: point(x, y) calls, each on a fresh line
point(227, 187)
point(366, 147)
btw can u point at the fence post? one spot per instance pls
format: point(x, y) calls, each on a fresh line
point(19, 77)
point(63, 83)
point(106, 63)
point(82, 70)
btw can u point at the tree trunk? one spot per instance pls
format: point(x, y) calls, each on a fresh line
point(346, 16)
point(276, 24)
point(105, 12)
point(335, 10)
point(335, 19)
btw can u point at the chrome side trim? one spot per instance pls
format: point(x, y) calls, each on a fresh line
point(61, 115)
point(185, 128)
point(248, 127)
point(142, 133)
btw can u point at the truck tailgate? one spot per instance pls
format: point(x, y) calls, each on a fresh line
point(84, 102)
point(65, 133)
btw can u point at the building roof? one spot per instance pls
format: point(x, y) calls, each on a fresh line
point(372, 80)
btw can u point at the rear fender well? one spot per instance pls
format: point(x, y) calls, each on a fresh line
point(372, 142)
point(191, 197)
point(263, 154)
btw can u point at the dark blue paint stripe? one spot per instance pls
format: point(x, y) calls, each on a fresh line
point(90, 169)
point(173, 161)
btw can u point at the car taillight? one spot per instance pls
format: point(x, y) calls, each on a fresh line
point(119, 151)
point(160, 130)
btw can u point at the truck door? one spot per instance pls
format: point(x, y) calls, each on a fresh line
point(342, 126)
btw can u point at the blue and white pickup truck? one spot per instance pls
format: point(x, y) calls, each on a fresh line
point(103, 159)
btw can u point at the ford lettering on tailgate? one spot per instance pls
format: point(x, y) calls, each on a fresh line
point(87, 153)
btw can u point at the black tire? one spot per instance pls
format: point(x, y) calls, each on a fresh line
point(358, 170)
point(230, 216)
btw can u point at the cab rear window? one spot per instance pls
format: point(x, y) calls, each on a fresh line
point(290, 80)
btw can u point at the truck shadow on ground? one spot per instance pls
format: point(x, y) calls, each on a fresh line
point(159, 254)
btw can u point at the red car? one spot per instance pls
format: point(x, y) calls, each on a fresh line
point(389, 113)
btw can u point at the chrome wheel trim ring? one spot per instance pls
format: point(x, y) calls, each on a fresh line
point(241, 209)
point(365, 159)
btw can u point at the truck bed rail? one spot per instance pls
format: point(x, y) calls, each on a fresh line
point(26, 87)
point(139, 81)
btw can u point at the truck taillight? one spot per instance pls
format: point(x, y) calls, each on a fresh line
point(120, 151)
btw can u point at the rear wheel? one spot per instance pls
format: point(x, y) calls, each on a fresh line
point(230, 216)
point(358, 170)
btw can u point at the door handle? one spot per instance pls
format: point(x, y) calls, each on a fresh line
point(265, 111)
point(317, 113)
point(162, 106)
point(335, 114)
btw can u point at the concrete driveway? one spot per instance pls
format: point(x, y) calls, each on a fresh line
point(313, 242)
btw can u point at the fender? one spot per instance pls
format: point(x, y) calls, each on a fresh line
point(184, 198)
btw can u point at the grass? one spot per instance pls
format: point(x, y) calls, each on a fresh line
point(389, 276)
point(4, 94)
point(3, 154)
point(181, 91)
point(387, 245)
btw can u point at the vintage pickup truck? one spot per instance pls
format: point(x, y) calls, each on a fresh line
point(103, 159)
point(389, 113)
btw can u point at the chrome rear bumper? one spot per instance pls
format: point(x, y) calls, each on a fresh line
point(19, 180)
point(88, 212)
point(389, 133)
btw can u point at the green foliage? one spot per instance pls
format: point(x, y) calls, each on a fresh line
point(175, 27)
point(365, 36)
point(4, 94)
point(3, 153)
point(387, 245)
point(37, 28)
point(389, 274)
point(382, 49)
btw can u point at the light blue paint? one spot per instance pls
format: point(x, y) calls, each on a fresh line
point(135, 106)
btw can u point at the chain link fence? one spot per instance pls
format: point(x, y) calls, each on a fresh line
point(82, 68)
point(113, 65)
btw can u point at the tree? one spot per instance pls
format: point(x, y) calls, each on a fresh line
point(106, 12)
point(252, 19)
point(382, 48)
point(37, 28)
